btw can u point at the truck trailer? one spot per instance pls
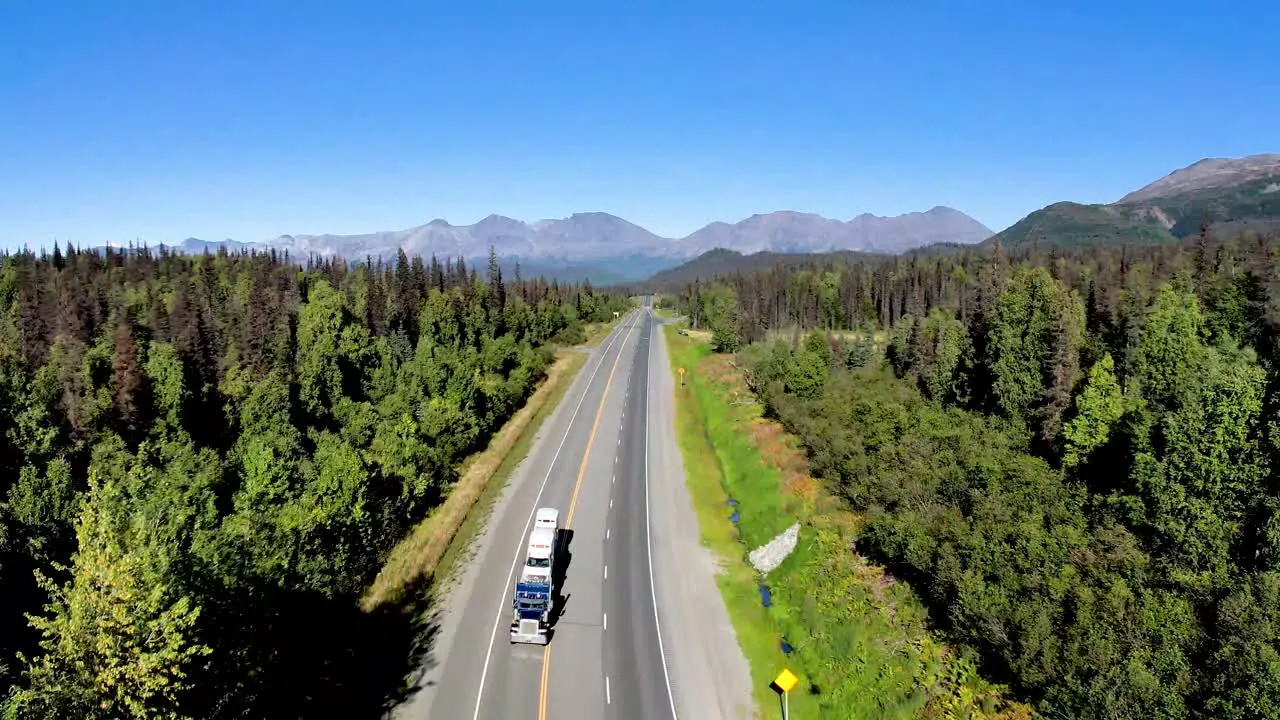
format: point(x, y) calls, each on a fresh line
point(531, 608)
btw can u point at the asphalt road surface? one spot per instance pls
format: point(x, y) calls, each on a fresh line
point(641, 630)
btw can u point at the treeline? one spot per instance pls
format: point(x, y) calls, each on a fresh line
point(1072, 458)
point(862, 292)
point(204, 460)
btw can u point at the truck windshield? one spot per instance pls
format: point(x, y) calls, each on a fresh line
point(535, 562)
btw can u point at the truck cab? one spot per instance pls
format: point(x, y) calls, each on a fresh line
point(532, 604)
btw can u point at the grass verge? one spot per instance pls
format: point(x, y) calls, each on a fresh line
point(861, 644)
point(596, 333)
point(433, 547)
point(461, 546)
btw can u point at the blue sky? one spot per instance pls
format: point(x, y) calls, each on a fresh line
point(162, 120)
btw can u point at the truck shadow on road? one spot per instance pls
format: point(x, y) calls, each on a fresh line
point(564, 555)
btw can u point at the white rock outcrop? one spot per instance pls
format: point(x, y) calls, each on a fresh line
point(769, 556)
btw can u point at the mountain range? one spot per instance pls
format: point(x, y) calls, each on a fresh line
point(1226, 194)
point(609, 248)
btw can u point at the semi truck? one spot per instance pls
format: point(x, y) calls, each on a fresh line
point(531, 610)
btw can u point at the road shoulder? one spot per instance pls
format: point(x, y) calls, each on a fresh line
point(710, 676)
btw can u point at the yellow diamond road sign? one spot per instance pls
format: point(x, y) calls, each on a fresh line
point(786, 680)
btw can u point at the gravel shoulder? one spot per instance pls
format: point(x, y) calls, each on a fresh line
point(710, 676)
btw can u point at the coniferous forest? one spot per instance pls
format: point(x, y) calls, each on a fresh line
point(1072, 455)
point(204, 460)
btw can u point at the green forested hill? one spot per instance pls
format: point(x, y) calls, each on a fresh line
point(1255, 202)
point(1071, 454)
point(204, 459)
point(1070, 224)
point(1226, 209)
point(718, 262)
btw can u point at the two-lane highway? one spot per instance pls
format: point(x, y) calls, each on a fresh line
point(615, 636)
point(637, 683)
point(605, 658)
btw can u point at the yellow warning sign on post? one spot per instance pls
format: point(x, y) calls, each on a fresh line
point(786, 680)
point(680, 370)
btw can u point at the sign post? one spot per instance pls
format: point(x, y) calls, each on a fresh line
point(782, 685)
point(681, 371)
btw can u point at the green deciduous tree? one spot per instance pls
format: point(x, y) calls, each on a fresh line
point(320, 328)
point(1211, 467)
point(1034, 339)
point(945, 359)
point(1170, 350)
point(1098, 407)
point(1246, 652)
point(165, 374)
point(807, 373)
point(720, 314)
point(118, 638)
point(44, 506)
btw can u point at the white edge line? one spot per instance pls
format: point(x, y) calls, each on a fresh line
point(666, 675)
point(497, 620)
point(605, 621)
point(608, 696)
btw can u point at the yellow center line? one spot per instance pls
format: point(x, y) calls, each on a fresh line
point(568, 521)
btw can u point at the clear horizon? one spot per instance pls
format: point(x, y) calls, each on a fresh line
point(247, 121)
